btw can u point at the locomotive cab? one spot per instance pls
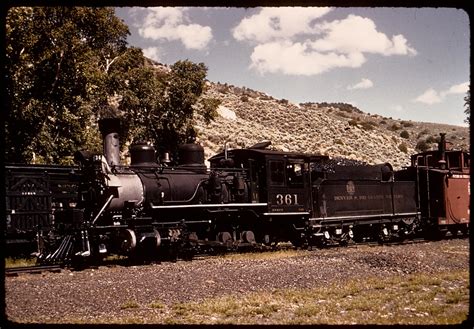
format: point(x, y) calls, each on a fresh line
point(282, 180)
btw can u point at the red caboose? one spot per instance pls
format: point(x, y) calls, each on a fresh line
point(443, 189)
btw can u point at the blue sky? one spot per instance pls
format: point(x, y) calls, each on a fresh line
point(407, 63)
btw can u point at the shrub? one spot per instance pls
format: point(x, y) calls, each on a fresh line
point(405, 134)
point(403, 147)
point(423, 132)
point(244, 98)
point(407, 124)
point(422, 146)
point(383, 122)
point(430, 139)
point(353, 122)
point(341, 114)
point(394, 127)
point(368, 125)
point(338, 141)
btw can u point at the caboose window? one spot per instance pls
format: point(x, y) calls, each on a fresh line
point(277, 172)
point(466, 160)
point(454, 160)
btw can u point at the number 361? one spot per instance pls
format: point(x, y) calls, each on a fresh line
point(287, 199)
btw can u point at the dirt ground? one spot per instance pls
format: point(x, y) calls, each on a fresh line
point(108, 293)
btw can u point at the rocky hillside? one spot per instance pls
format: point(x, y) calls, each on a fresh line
point(338, 130)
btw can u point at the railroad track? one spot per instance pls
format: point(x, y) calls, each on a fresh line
point(15, 271)
point(204, 255)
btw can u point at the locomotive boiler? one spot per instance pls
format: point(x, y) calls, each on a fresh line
point(151, 207)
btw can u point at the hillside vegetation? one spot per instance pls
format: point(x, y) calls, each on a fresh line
point(338, 130)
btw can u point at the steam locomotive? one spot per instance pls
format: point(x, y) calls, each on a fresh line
point(249, 197)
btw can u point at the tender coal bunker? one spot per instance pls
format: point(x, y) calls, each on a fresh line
point(331, 164)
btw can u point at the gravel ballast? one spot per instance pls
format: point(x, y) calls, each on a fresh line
point(113, 292)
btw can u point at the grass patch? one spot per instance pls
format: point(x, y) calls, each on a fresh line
point(157, 305)
point(414, 299)
point(254, 255)
point(12, 262)
point(129, 305)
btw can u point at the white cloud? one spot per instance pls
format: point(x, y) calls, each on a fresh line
point(153, 53)
point(359, 34)
point(172, 24)
point(291, 41)
point(298, 59)
point(431, 96)
point(461, 88)
point(272, 23)
point(363, 84)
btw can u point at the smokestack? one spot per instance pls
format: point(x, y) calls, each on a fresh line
point(109, 129)
point(442, 151)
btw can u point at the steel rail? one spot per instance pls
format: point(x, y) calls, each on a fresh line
point(14, 271)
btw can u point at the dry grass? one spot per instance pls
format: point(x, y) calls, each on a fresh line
point(277, 254)
point(19, 262)
point(415, 299)
point(421, 299)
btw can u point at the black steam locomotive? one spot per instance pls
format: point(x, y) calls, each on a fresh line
point(248, 197)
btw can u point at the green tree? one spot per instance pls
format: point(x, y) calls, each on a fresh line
point(56, 61)
point(69, 66)
point(161, 106)
point(467, 105)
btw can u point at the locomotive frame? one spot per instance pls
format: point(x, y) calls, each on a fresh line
point(249, 197)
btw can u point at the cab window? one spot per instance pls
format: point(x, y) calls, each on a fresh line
point(277, 172)
point(294, 174)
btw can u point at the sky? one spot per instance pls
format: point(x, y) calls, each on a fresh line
point(404, 63)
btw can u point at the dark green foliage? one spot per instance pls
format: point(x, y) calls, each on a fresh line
point(368, 125)
point(55, 61)
point(405, 134)
point(467, 105)
point(160, 107)
point(403, 147)
point(430, 139)
point(67, 67)
point(423, 132)
point(422, 146)
point(341, 106)
point(394, 127)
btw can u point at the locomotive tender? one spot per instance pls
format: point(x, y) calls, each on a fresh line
point(250, 196)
